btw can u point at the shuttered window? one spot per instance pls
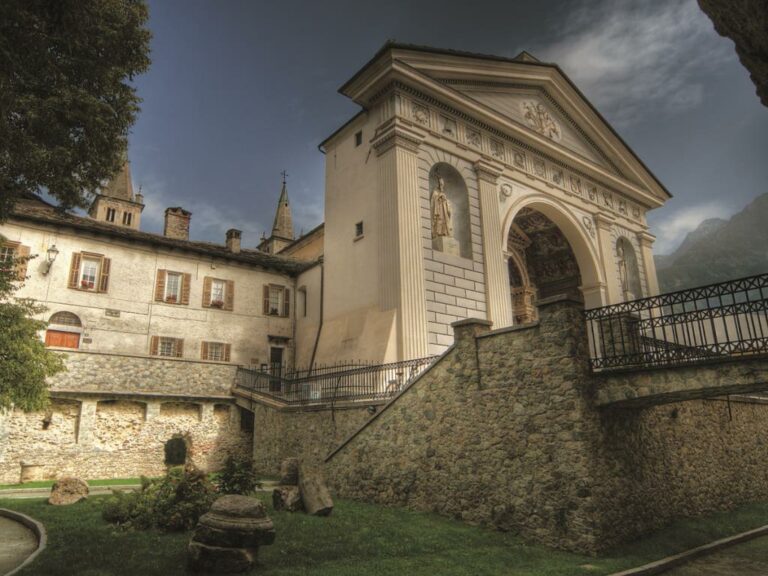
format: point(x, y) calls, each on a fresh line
point(14, 254)
point(277, 300)
point(218, 293)
point(215, 351)
point(89, 272)
point(172, 287)
point(166, 346)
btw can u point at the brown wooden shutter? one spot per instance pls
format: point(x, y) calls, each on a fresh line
point(229, 296)
point(160, 285)
point(104, 274)
point(186, 285)
point(179, 348)
point(22, 253)
point(286, 302)
point(204, 350)
point(74, 271)
point(207, 291)
point(227, 350)
point(154, 344)
point(266, 299)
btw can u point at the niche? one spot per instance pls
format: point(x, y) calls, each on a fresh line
point(449, 211)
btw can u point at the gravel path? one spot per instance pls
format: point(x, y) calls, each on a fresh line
point(748, 559)
point(16, 543)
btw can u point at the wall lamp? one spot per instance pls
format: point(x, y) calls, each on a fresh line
point(50, 258)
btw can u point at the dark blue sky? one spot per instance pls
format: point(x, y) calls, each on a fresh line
point(240, 90)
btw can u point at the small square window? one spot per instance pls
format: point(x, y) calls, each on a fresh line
point(358, 138)
point(111, 214)
point(358, 230)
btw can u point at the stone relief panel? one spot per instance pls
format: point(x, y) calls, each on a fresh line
point(538, 117)
point(420, 113)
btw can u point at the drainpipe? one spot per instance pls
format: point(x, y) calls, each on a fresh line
point(322, 305)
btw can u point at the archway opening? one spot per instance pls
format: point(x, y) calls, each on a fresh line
point(542, 264)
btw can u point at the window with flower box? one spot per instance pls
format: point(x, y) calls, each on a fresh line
point(277, 300)
point(89, 271)
point(172, 287)
point(218, 293)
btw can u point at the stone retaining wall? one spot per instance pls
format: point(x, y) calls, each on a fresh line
point(504, 431)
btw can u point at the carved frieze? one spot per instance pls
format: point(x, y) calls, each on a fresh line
point(420, 113)
point(519, 159)
point(539, 168)
point(497, 149)
point(448, 127)
point(473, 138)
point(575, 185)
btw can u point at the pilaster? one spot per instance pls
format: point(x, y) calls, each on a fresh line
point(497, 290)
point(608, 257)
point(400, 251)
point(646, 247)
point(86, 422)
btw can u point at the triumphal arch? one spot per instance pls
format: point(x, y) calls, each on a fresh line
point(473, 186)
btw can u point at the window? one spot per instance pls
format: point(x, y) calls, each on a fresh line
point(13, 254)
point(215, 351)
point(127, 218)
point(111, 212)
point(218, 293)
point(172, 287)
point(165, 346)
point(303, 300)
point(276, 300)
point(89, 272)
point(359, 230)
point(358, 138)
point(7, 253)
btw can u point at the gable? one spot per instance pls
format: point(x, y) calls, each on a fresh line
point(533, 109)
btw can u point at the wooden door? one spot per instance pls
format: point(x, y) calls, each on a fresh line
point(62, 339)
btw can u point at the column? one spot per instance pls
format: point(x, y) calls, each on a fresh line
point(497, 291)
point(608, 258)
point(646, 247)
point(400, 250)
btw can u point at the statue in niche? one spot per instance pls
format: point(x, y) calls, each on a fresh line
point(442, 220)
point(623, 272)
point(442, 224)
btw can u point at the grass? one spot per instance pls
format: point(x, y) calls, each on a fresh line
point(49, 483)
point(356, 539)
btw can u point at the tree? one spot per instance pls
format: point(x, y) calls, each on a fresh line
point(25, 362)
point(66, 101)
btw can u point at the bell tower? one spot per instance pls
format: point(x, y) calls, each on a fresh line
point(282, 228)
point(117, 204)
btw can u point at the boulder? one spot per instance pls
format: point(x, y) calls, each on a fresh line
point(68, 491)
point(226, 538)
point(289, 472)
point(314, 493)
point(287, 498)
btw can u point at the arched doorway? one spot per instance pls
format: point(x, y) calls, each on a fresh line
point(542, 263)
point(64, 329)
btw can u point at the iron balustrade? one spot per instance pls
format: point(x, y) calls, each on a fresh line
point(710, 323)
point(331, 384)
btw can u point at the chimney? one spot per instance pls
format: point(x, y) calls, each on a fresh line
point(233, 240)
point(177, 223)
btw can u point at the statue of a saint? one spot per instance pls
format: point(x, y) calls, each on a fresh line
point(442, 224)
point(623, 273)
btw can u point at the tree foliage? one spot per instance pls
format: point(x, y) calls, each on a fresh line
point(66, 99)
point(25, 362)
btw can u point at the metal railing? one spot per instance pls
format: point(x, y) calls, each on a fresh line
point(709, 323)
point(331, 384)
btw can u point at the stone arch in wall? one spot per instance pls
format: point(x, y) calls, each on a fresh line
point(577, 252)
point(64, 330)
point(446, 179)
point(629, 271)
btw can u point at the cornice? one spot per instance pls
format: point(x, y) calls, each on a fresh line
point(394, 134)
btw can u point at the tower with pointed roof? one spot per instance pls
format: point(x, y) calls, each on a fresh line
point(117, 204)
point(282, 228)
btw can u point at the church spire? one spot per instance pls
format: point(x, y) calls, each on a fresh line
point(120, 185)
point(283, 226)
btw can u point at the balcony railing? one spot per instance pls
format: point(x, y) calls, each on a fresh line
point(331, 384)
point(711, 323)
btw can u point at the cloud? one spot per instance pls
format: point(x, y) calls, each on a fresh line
point(672, 228)
point(636, 58)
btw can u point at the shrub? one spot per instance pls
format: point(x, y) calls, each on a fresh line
point(174, 502)
point(237, 477)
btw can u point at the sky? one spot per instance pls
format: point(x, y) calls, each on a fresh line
point(240, 90)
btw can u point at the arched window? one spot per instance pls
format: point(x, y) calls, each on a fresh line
point(629, 273)
point(64, 330)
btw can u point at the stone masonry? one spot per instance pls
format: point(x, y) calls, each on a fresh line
point(504, 431)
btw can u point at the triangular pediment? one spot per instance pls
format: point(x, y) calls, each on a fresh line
point(532, 108)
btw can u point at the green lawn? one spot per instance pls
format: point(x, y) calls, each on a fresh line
point(49, 483)
point(356, 539)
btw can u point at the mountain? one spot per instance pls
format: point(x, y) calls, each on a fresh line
point(719, 250)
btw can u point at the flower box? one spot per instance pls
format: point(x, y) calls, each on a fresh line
point(170, 299)
point(217, 304)
point(86, 284)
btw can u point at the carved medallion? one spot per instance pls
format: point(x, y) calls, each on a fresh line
point(505, 192)
point(473, 138)
point(539, 119)
point(449, 127)
point(539, 167)
point(421, 114)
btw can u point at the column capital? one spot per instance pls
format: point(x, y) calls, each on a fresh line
point(488, 171)
point(646, 239)
point(393, 133)
point(604, 221)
